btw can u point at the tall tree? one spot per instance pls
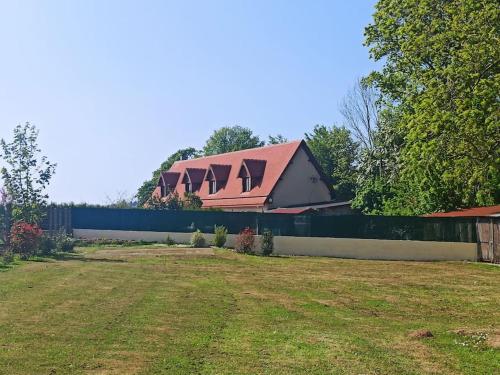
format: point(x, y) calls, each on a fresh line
point(231, 138)
point(26, 174)
point(360, 111)
point(336, 152)
point(441, 69)
point(380, 144)
point(146, 189)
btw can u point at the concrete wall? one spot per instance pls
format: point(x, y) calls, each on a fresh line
point(315, 246)
point(297, 186)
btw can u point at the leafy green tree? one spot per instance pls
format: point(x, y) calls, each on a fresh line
point(146, 190)
point(276, 139)
point(171, 202)
point(441, 70)
point(192, 201)
point(336, 152)
point(231, 138)
point(26, 174)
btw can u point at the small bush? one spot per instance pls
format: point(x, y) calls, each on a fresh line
point(245, 242)
point(197, 239)
point(25, 238)
point(64, 243)
point(220, 236)
point(7, 257)
point(267, 243)
point(47, 245)
point(169, 241)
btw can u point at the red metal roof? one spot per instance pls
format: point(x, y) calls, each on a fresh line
point(291, 211)
point(269, 162)
point(475, 211)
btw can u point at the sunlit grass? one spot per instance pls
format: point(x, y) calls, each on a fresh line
point(151, 311)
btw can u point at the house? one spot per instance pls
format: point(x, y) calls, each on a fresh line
point(259, 179)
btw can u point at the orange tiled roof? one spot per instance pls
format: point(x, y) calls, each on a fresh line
point(268, 162)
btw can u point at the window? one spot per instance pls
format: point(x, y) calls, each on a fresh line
point(212, 187)
point(188, 187)
point(247, 184)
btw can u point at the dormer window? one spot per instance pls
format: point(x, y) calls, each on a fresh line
point(247, 184)
point(212, 187)
point(193, 178)
point(167, 181)
point(217, 176)
point(251, 173)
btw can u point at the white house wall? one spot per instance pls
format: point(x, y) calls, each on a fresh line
point(300, 184)
point(315, 246)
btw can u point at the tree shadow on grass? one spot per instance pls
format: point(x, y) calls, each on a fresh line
point(74, 257)
point(81, 258)
point(5, 267)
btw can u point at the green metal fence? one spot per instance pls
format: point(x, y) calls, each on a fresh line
point(348, 226)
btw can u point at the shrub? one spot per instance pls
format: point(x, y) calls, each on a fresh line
point(169, 241)
point(245, 242)
point(197, 239)
point(7, 257)
point(25, 238)
point(220, 236)
point(267, 243)
point(64, 243)
point(47, 245)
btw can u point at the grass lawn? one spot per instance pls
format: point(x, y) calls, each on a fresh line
point(173, 311)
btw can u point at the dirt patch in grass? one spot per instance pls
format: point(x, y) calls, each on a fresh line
point(493, 340)
point(421, 334)
point(125, 253)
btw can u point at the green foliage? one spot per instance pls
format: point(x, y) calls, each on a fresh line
point(145, 191)
point(169, 241)
point(231, 138)
point(171, 202)
point(147, 188)
point(267, 243)
point(220, 235)
point(47, 245)
point(7, 257)
point(5, 218)
point(197, 239)
point(379, 190)
point(191, 201)
point(441, 71)
point(26, 174)
point(276, 139)
point(336, 152)
point(63, 242)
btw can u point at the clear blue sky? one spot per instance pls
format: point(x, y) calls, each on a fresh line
point(116, 86)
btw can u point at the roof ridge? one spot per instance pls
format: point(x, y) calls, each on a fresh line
point(240, 151)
